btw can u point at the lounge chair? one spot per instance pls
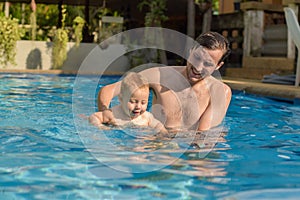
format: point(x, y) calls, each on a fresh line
point(284, 80)
point(294, 29)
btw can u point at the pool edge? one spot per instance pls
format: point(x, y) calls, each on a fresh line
point(54, 71)
point(275, 91)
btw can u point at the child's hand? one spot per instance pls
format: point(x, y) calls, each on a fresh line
point(100, 118)
point(96, 119)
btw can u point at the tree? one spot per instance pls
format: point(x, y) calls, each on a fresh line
point(59, 50)
point(206, 7)
point(155, 17)
point(156, 12)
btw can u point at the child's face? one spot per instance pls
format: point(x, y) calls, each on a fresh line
point(137, 103)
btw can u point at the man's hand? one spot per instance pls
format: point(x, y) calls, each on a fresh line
point(108, 117)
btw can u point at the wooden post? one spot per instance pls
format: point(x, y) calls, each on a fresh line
point(6, 11)
point(254, 24)
point(206, 24)
point(191, 18)
point(23, 14)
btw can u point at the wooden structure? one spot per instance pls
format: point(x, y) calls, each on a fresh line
point(267, 46)
point(261, 43)
point(66, 2)
point(231, 25)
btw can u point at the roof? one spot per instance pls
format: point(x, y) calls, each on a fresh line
point(66, 2)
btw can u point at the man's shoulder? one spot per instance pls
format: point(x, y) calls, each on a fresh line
point(157, 75)
point(162, 68)
point(216, 84)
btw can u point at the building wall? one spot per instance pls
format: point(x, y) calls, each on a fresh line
point(226, 6)
point(37, 55)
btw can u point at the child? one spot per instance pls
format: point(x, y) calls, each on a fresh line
point(133, 99)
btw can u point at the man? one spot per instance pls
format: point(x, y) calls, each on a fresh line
point(185, 97)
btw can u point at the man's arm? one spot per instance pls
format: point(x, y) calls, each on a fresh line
point(217, 108)
point(105, 95)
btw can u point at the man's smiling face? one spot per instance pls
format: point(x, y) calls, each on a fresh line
point(202, 63)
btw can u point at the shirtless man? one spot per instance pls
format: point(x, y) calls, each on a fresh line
point(185, 97)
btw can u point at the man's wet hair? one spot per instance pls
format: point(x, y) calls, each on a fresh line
point(213, 41)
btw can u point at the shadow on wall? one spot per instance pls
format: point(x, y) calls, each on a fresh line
point(76, 55)
point(93, 59)
point(34, 59)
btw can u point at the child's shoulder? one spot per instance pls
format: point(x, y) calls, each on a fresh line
point(147, 114)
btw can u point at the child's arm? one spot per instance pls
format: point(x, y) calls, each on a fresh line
point(156, 124)
point(96, 119)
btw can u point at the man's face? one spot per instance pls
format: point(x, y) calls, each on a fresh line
point(202, 63)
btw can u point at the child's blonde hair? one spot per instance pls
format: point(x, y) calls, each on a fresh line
point(131, 82)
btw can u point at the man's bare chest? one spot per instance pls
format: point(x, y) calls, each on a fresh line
point(187, 102)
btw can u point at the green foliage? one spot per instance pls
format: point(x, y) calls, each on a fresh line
point(108, 29)
point(46, 15)
point(46, 19)
point(64, 15)
point(15, 10)
point(59, 50)
point(73, 12)
point(9, 35)
point(78, 24)
point(104, 12)
point(156, 12)
point(215, 4)
point(154, 17)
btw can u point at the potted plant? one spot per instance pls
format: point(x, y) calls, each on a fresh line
point(10, 34)
point(78, 24)
point(59, 50)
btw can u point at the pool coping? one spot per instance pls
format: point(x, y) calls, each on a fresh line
point(54, 72)
point(277, 91)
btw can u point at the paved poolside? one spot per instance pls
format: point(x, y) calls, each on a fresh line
point(276, 91)
point(281, 92)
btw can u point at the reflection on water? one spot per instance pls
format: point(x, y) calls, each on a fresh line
point(136, 150)
point(45, 156)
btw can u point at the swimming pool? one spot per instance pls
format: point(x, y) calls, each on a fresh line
point(44, 156)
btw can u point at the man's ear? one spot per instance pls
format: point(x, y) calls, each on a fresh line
point(219, 65)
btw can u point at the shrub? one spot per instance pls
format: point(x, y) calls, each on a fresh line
point(9, 35)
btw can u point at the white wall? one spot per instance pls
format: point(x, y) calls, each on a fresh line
point(37, 55)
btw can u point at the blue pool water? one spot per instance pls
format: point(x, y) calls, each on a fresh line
point(46, 151)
